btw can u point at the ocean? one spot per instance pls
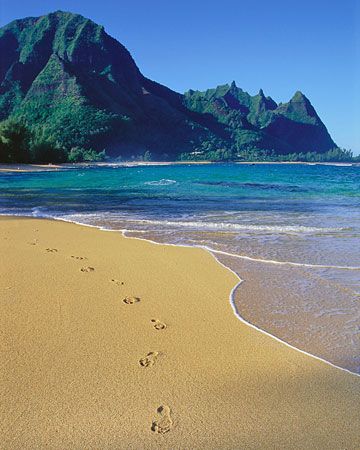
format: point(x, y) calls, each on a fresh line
point(291, 232)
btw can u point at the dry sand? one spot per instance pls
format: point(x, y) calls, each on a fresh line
point(170, 367)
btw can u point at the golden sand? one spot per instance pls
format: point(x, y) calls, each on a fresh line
point(115, 343)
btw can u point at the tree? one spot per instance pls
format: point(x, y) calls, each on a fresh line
point(14, 141)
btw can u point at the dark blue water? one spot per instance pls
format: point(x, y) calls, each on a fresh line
point(291, 231)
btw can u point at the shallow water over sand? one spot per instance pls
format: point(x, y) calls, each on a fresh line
point(291, 232)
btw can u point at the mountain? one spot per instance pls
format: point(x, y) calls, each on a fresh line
point(74, 85)
point(259, 121)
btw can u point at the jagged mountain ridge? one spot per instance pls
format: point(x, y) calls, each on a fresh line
point(292, 126)
point(68, 78)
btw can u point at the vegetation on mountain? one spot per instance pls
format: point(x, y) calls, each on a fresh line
point(68, 91)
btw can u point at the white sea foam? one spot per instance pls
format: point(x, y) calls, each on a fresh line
point(289, 263)
point(162, 182)
point(236, 226)
point(38, 211)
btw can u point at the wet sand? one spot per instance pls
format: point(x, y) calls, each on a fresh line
point(301, 309)
point(108, 342)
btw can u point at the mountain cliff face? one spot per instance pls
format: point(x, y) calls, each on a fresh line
point(69, 80)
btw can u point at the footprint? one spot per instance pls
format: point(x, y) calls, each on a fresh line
point(131, 300)
point(78, 257)
point(117, 282)
point(149, 359)
point(158, 325)
point(87, 269)
point(51, 250)
point(163, 423)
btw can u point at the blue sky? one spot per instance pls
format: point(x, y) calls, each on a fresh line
point(280, 46)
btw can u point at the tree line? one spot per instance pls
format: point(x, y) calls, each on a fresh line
point(20, 144)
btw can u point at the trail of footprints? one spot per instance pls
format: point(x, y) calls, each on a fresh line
point(163, 422)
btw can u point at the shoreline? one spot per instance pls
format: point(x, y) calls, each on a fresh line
point(24, 168)
point(232, 292)
point(213, 253)
point(216, 378)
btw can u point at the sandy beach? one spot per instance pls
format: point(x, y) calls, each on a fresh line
point(116, 343)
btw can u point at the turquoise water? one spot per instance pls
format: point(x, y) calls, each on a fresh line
point(291, 231)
